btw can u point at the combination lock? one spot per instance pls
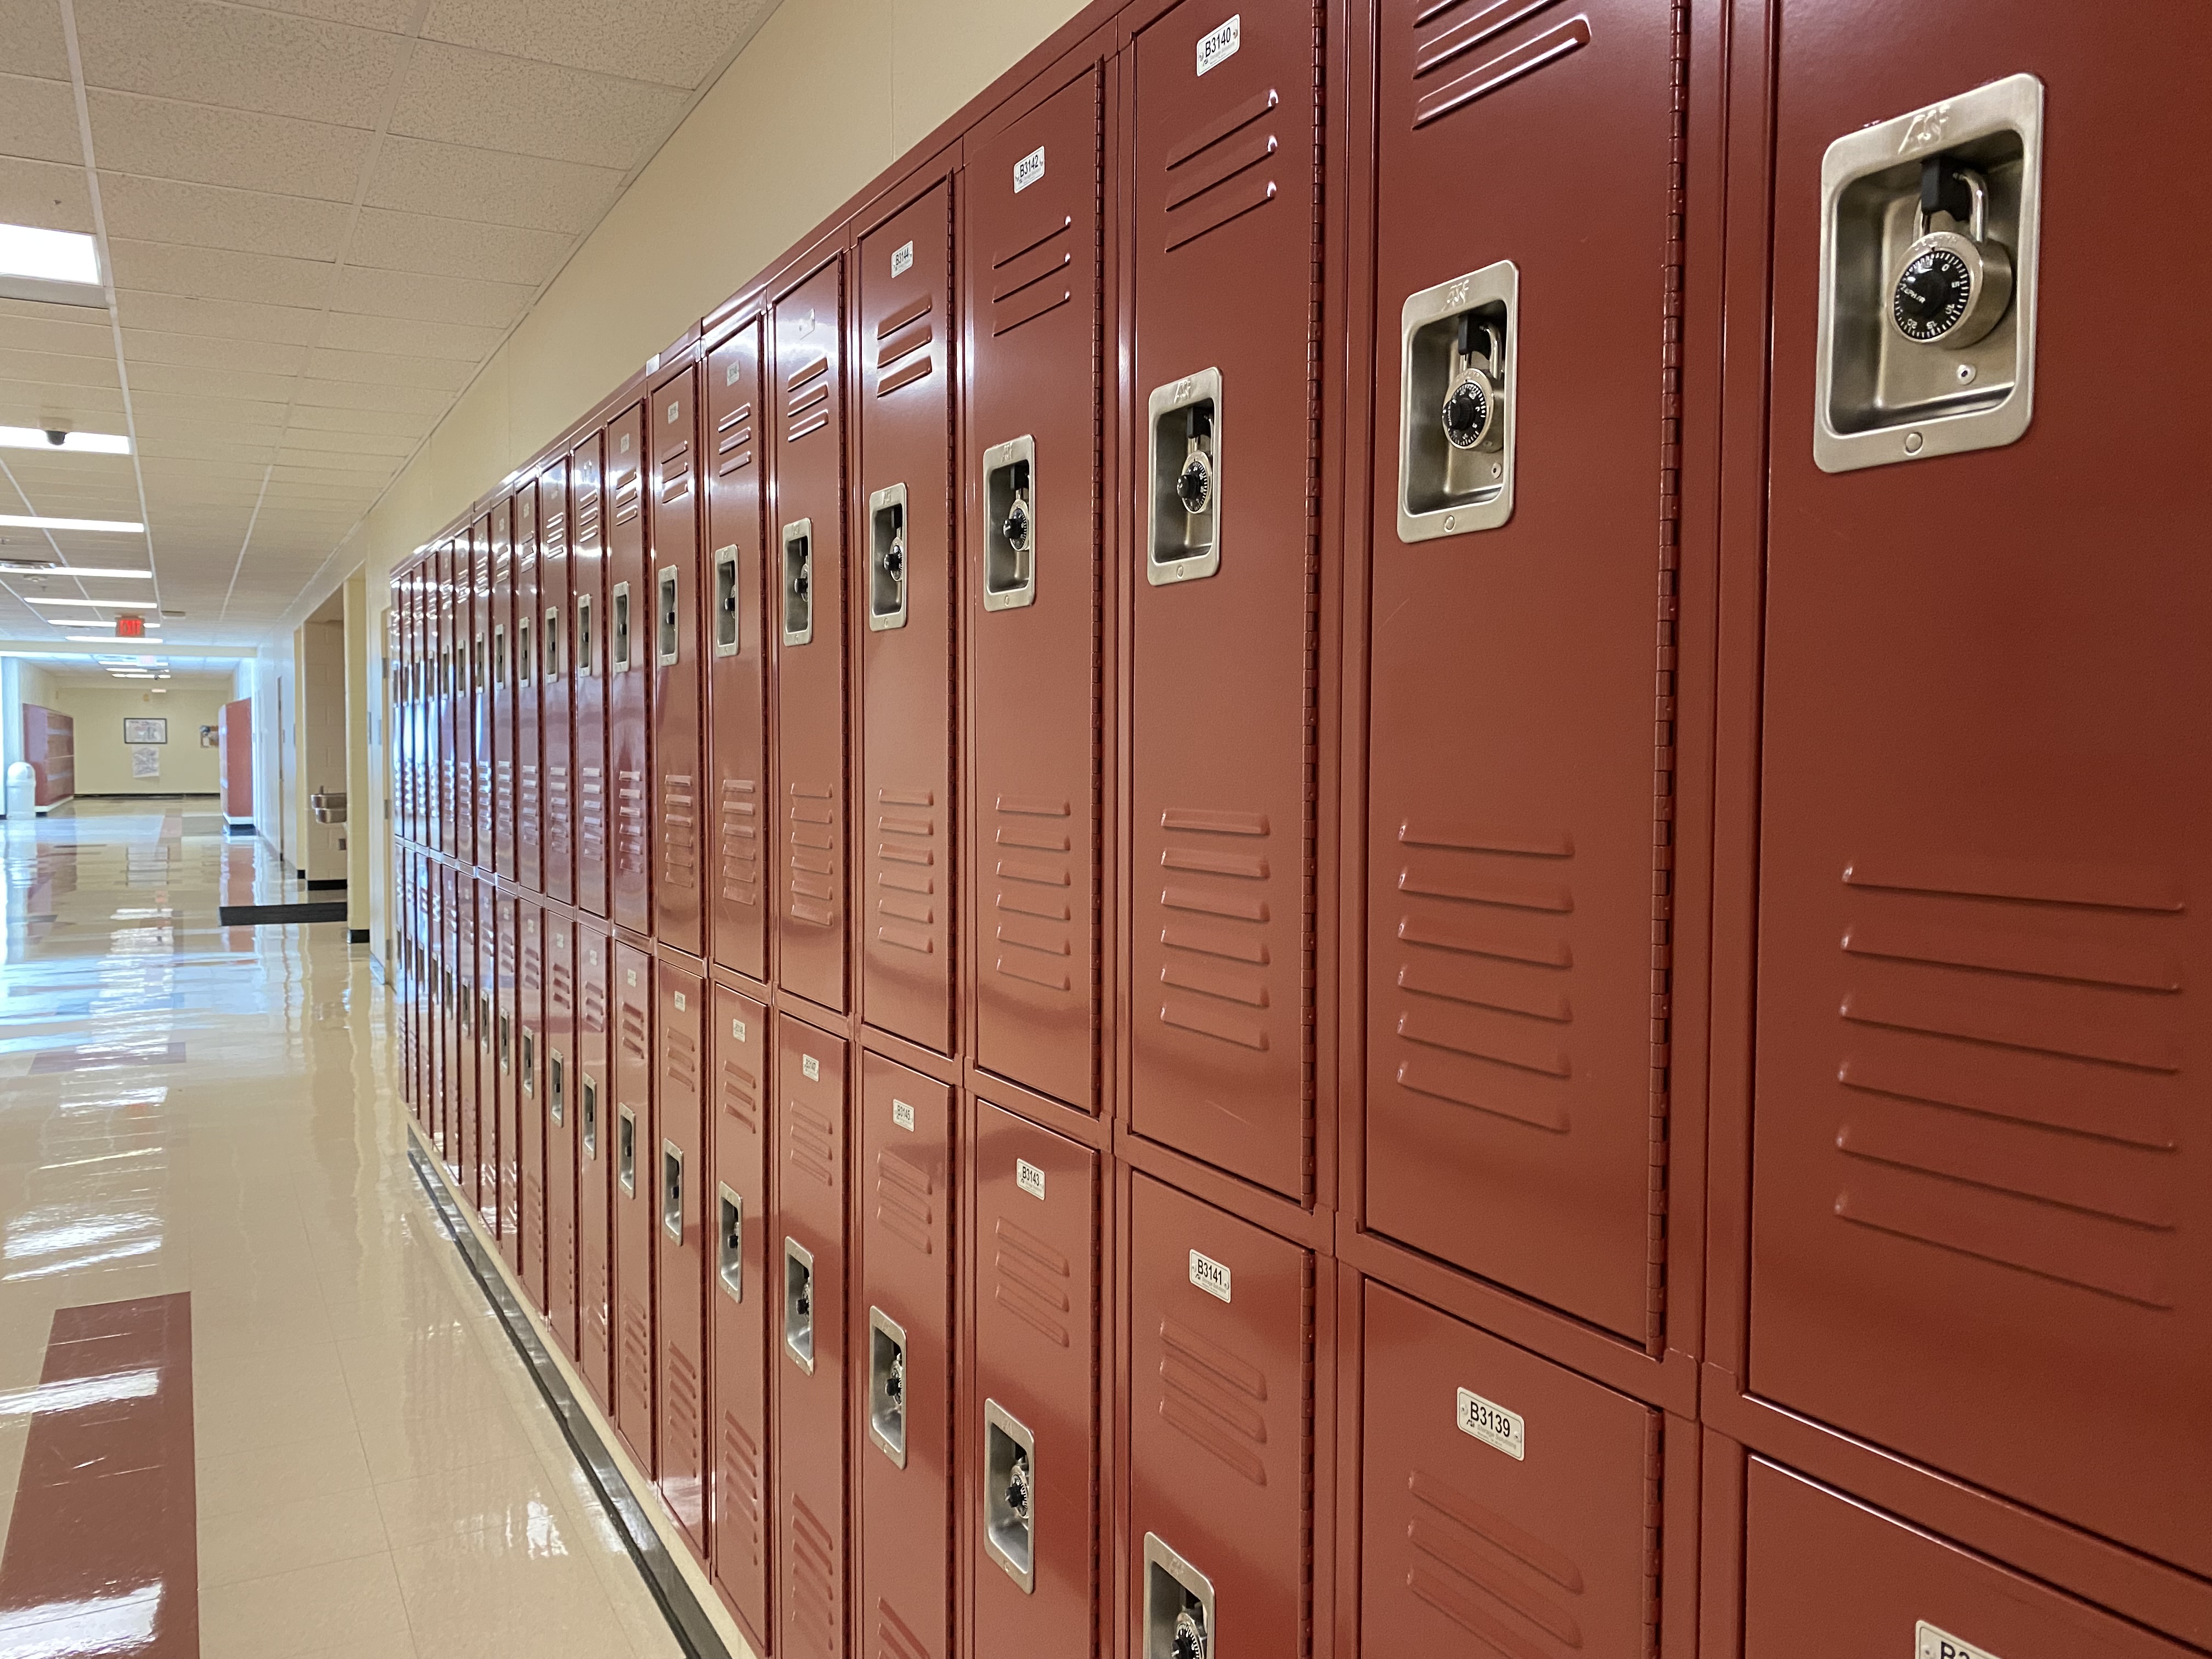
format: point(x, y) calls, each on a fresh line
point(1189, 1641)
point(895, 556)
point(804, 1305)
point(1017, 1489)
point(1194, 484)
point(1015, 529)
point(1952, 288)
point(895, 1383)
point(799, 583)
point(1473, 411)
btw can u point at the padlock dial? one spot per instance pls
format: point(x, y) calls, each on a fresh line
point(895, 556)
point(1016, 526)
point(1018, 1488)
point(1932, 295)
point(1189, 1640)
point(1194, 484)
point(1466, 413)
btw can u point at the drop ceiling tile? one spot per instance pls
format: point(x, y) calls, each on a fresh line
point(165, 474)
point(204, 272)
point(219, 382)
point(456, 248)
point(54, 368)
point(389, 16)
point(339, 422)
point(207, 449)
point(676, 43)
point(221, 319)
point(38, 119)
point(59, 330)
point(93, 409)
point(39, 470)
point(208, 216)
point(33, 31)
point(388, 448)
point(194, 410)
point(142, 346)
point(487, 186)
point(464, 96)
point(169, 138)
point(430, 299)
point(350, 331)
point(388, 368)
point(51, 195)
point(361, 394)
point(238, 57)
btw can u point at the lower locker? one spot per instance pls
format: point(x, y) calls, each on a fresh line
point(680, 1242)
point(1220, 1363)
point(738, 1294)
point(560, 1066)
point(530, 1101)
point(468, 1126)
point(634, 1164)
point(808, 1274)
point(902, 1330)
point(1508, 1506)
point(505, 1042)
point(449, 1069)
point(594, 1168)
point(1032, 1436)
point(1826, 1574)
point(485, 897)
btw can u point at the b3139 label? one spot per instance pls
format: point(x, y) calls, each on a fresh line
point(1492, 1424)
point(1928, 1643)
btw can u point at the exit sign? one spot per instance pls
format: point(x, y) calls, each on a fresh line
point(130, 628)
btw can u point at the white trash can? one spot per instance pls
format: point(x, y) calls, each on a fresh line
point(22, 792)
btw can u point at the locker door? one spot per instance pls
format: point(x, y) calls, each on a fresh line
point(806, 1273)
point(629, 634)
point(637, 1164)
point(467, 1128)
point(484, 897)
point(902, 1337)
point(595, 1163)
point(530, 1099)
point(449, 1069)
point(1221, 1334)
point(680, 1203)
point(1033, 1438)
point(904, 584)
point(529, 781)
point(1986, 822)
point(559, 1069)
point(1033, 609)
point(506, 1043)
point(502, 684)
point(587, 659)
point(737, 647)
point(1505, 1502)
point(464, 699)
point(678, 690)
point(557, 847)
point(809, 530)
point(1517, 830)
point(448, 755)
point(484, 835)
point(1823, 1572)
point(1226, 624)
point(740, 1288)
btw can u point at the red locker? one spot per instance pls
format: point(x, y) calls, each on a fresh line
point(507, 1040)
point(1226, 624)
point(559, 1078)
point(448, 756)
point(529, 783)
point(903, 587)
point(595, 1163)
point(1824, 1573)
point(1520, 797)
point(1220, 1452)
point(483, 833)
point(501, 532)
point(635, 1167)
point(807, 1274)
point(739, 1291)
point(467, 1126)
point(679, 1161)
point(449, 1066)
point(902, 1338)
point(530, 1100)
point(464, 699)
point(678, 698)
point(810, 658)
point(1032, 1438)
point(587, 673)
point(1508, 1506)
point(1034, 375)
point(558, 851)
point(1981, 1133)
point(629, 642)
point(484, 897)
point(737, 647)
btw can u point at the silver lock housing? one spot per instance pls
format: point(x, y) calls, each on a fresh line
point(1010, 501)
point(798, 582)
point(887, 568)
point(1010, 1495)
point(1184, 455)
point(1464, 333)
point(1178, 1606)
point(887, 1385)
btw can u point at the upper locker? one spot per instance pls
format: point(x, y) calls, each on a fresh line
point(736, 650)
point(1525, 516)
point(671, 433)
point(553, 740)
point(808, 550)
point(450, 783)
point(484, 853)
point(588, 601)
point(502, 685)
point(903, 586)
point(1035, 574)
point(1227, 590)
point(529, 780)
point(1982, 1136)
point(628, 635)
point(467, 778)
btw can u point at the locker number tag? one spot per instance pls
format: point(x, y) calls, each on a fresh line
point(631, 974)
point(812, 1066)
point(679, 1002)
point(1492, 1424)
point(672, 408)
point(738, 1029)
point(1029, 169)
point(1209, 1275)
point(1029, 1178)
point(1218, 47)
point(1928, 1643)
point(730, 373)
point(903, 1115)
point(902, 259)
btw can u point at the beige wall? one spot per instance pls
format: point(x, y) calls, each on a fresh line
point(103, 759)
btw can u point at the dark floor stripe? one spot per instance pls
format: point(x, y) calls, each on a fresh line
point(103, 1549)
point(272, 915)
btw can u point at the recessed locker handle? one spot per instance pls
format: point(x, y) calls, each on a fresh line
point(626, 1150)
point(887, 1385)
point(1178, 1606)
point(730, 1246)
point(799, 582)
point(887, 568)
point(1010, 524)
point(590, 1126)
point(669, 644)
point(726, 601)
point(1010, 1495)
point(671, 1190)
point(1185, 457)
point(556, 1085)
point(799, 1303)
point(618, 648)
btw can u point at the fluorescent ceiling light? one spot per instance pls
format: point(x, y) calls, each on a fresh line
point(33, 567)
point(36, 437)
point(97, 605)
point(89, 639)
point(121, 526)
point(61, 265)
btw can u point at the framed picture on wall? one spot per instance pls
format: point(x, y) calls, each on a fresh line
point(154, 730)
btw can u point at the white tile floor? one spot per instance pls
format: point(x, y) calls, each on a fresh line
point(378, 1477)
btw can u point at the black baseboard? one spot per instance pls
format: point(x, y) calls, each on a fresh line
point(279, 916)
point(237, 829)
point(327, 886)
point(357, 936)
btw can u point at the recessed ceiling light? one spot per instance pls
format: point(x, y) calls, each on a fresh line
point(92, 639)
point(61, 265)
point(120, 527)
point(34, 567)
point(97, 605)
point(46, 437)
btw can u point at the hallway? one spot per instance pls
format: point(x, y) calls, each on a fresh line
point(251, 1403)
